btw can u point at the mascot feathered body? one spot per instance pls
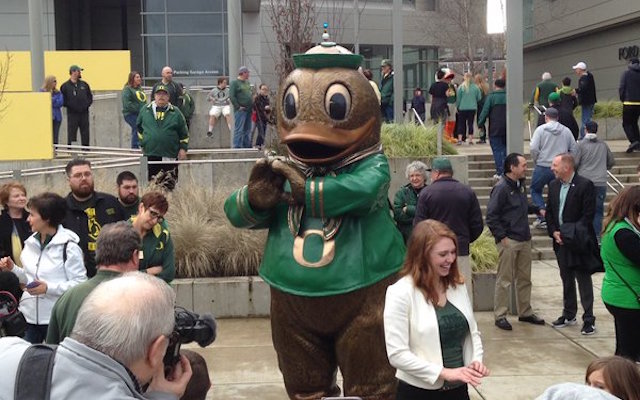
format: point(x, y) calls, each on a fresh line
point(332, 247)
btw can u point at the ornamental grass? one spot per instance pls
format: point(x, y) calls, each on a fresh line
point(484, 254)
point(410, 140)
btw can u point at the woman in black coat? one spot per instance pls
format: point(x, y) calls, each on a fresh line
point(14, 228)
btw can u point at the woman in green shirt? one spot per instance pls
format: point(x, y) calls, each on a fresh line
point(157, 256)
point(621, 258)
point(431, 334)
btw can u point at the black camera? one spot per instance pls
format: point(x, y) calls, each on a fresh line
point(190, 327)
point(12, 322)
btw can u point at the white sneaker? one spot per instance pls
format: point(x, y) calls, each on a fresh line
point(540, 224)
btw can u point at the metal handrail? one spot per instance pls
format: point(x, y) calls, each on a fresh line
point(615, 180)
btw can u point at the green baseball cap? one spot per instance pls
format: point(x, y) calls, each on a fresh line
point(161, 88)
point(554, 97)
point(441, 164)
point(75, 68)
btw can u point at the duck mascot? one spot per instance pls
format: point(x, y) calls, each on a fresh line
point(332, 248)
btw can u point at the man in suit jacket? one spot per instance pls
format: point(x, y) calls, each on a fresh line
point(570, 208)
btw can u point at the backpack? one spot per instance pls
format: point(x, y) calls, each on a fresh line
point(35, 383)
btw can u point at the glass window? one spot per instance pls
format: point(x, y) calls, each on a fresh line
point(153, 23)
point(194, 5)
point(197, 55)
point(155, 54)
point(153, 6)
point(195, 23)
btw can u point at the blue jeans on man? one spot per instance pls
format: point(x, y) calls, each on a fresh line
point(601, 194)
point(387, 113)
point(499, 148)
point(541, 177)
point(132, 119)
point(242, 129)
point(587, 114)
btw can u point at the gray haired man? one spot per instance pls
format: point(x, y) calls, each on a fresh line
point(116, 347)
point(117, 252)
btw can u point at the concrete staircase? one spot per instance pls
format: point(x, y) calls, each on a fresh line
point(481, 169)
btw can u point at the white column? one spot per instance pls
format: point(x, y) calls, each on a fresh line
point(515, 119)
point(398, 79)
point(35, 36)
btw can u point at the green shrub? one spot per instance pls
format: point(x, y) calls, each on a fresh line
point(484, 254)
point(410, 140)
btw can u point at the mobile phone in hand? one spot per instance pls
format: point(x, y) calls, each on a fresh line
point(33, 284)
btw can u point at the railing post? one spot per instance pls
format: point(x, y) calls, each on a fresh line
point(144, 168)
point(17, 174)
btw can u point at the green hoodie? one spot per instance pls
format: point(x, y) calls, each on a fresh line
point(132, 100)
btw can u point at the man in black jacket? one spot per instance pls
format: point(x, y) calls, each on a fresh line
point(586, 91)
point(77, 99)
point(507, 219)
point(570, 207)
point(87, 210)
point(630, 97)
point(456, 205)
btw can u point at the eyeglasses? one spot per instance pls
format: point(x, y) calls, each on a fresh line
point(156, 215)
point(81, 175)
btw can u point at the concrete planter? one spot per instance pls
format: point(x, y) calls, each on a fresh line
point(484, 284)
point(232, 297)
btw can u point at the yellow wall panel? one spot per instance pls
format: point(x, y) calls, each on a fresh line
point(19, 76)
point(103, 70)
point(26, 130)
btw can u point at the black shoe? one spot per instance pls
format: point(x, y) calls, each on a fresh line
point(503, 324)
point(588, 328)
point(532, 319)
point(209, 134)
point(561, 322)
point(633, 146)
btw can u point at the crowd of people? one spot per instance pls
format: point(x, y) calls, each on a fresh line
point(91, 264)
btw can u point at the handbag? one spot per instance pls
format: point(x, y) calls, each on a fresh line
point(12, 322)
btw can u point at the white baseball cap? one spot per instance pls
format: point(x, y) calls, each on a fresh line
point(580, 65)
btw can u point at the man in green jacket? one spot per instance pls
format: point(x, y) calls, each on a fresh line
point(116, 254)
point(163, 135)
point(157, 256)
point(242, 100)
point(495, 108)
point(386, 91)
point(542, 91)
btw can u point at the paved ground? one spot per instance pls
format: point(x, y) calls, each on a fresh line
point(523, 362)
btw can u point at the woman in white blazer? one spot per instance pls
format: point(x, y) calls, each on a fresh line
point(431, 335)
point(52, 263)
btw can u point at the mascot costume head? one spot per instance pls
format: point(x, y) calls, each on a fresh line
point(332, 247)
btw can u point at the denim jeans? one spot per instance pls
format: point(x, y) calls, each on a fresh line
point(601, 194)
point(242, 129)
point(132, 119)
point(387, 113)
point(499, 149)
point(541, 177)
point(587, 114)
point(262, 129)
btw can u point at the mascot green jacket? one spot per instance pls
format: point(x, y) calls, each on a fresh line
point(332, 248)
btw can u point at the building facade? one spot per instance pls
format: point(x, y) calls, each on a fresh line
point(558, 34)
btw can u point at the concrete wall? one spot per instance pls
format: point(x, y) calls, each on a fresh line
point(598, 49)
point(14, 25)
point(561, 33)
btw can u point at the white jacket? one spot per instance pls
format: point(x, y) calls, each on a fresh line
point(47, 265)
point(413, 336)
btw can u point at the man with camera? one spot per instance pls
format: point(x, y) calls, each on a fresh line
point(131, 320)
point(117, 252)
